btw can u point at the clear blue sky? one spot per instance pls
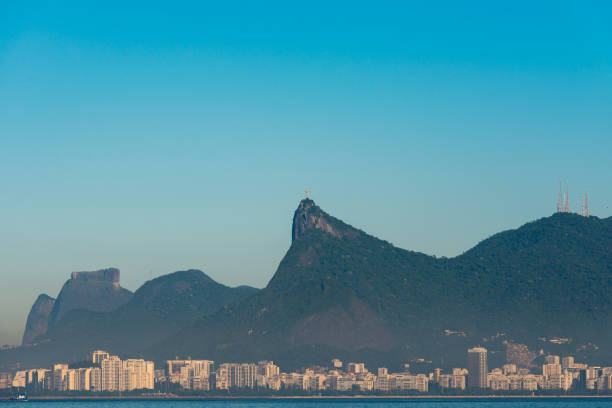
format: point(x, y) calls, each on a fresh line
point(163, 136)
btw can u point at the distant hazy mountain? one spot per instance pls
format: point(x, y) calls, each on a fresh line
point(157, 309)
point(340, 292)
point(38, 318)
point(97, 291)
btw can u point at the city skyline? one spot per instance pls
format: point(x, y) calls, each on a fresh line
point(157, 140)
point(103, 372)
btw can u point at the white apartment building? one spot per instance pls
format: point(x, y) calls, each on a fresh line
point(19, 380)
point(452, 381)
point(111, 371)
point(97, 356)
point(190, 374)
point(235, 375)
point(419, 382)
point(58, 377)
point(356, 368)
point(552, 369)
point(128, 375)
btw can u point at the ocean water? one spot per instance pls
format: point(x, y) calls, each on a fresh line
point(344, 403)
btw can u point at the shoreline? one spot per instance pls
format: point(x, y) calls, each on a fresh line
point(318, 397)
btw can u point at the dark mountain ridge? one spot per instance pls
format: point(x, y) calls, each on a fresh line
point(340, 292)
point(157, 309)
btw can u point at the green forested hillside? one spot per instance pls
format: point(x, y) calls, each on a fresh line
point(340, 292)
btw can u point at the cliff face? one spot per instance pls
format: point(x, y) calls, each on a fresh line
point(107, 275)
point(97, 291)
point(309, 217)
point(38, 318)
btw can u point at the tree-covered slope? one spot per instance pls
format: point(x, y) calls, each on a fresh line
point(341, 292)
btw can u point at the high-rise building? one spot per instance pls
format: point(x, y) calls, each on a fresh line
point(509, 369)
point(128, 375)
point(551, 370)
point(234, 375)
point(356, 368)
point(477, 367)
point(72, 379)
point(267, 369)
point(19, 380)
point(98, 356)
point(567, 362)
point(222, 377)
point(418, 382)
point(247, 375)
point(139, 374)
point(552, 359)
point(5, 380)
point(36, 379)
point(111, 372)
point(59, 377)
point(190, 374)
point(96, 379)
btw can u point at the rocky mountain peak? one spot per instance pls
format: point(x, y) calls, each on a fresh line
point(309, 216)
point(110, 275)
point(97, 291)
point(38, 318)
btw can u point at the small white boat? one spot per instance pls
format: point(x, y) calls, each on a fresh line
point(18, 398)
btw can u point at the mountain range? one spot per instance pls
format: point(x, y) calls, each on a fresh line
point(339, 292)
point(97, 291)
point(156, 310)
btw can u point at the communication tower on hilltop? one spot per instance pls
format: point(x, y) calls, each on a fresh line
point(559, 199)
point(563, 199)
point(563, 205)
point(567, 206)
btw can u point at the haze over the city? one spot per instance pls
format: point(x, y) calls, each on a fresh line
point(154, 139)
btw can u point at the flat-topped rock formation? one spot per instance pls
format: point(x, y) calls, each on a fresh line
point(96, 291)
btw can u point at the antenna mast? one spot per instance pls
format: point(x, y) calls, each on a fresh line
point(567, 206)
point(559, 205)
point(586, 204)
